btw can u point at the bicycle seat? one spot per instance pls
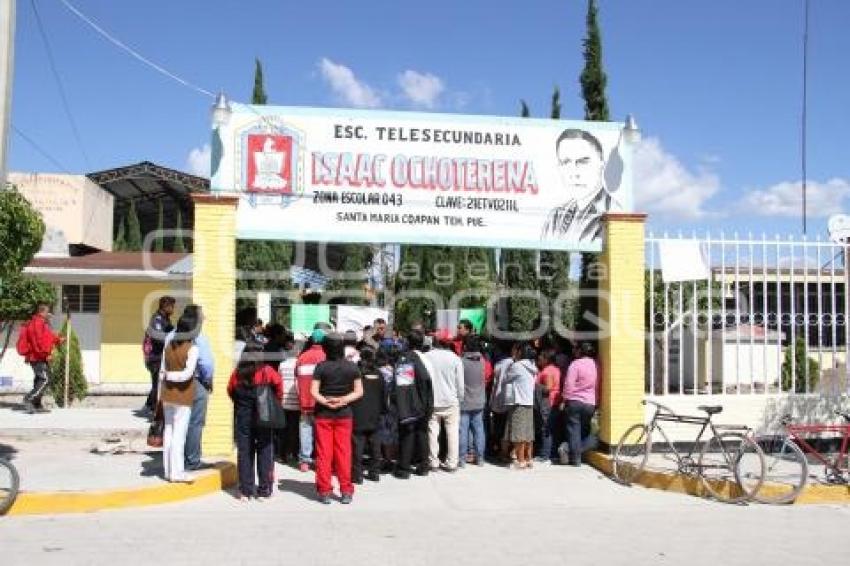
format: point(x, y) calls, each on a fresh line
point(711, 409)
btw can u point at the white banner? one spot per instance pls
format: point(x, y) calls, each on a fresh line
point(357, 318)
point(339, 175)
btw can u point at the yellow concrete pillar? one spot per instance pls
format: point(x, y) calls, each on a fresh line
point(214, 288)
point(621, 307)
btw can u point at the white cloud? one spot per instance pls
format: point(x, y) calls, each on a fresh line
point(347, 86)
point(665, 187)
point(785, 198)
point(198, 162)
point(421, 89)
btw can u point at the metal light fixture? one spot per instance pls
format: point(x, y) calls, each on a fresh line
point(221, 110)
point(631, 132)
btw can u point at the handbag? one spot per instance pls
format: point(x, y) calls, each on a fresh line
point(156, 428)
point(270, 413)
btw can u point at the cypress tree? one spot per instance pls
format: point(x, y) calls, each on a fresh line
point(259, 94)
point(593, 82)
point(593, 79)
point(120, 242)
point(159, 242)
point(179, 245)
point(78, 387)
point(556, 104)
point(518, 273)
point(134, 230)
point(253, 256)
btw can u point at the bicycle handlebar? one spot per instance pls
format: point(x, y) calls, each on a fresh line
point(659, 406)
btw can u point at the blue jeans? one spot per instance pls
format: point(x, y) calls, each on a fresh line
point(471, 421)
point(305, 435)
point(197, 421)
point(579, 439)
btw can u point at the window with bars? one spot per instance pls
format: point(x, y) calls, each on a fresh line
point(81, 298)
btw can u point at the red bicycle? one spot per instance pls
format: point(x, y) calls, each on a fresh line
point(787, 458)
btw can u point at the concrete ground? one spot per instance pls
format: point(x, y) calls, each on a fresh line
point(54, 451)
point(490, 515)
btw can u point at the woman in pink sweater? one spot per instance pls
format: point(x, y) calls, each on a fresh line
point(580, 396)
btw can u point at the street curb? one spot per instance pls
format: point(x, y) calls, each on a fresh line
point(59, 502)
point(678, 483)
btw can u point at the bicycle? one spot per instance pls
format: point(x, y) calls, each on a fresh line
point(9, 484)
point(730, 464)
point(787, 465)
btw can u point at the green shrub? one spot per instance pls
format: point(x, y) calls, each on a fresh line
point(800, 358)
point(77, 379)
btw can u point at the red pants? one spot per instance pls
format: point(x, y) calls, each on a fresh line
point(333, 454)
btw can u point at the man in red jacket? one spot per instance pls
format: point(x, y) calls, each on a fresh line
point(304, 367)
point(41, 341)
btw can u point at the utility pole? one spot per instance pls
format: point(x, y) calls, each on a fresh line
point(803, 119)
point(7, 71)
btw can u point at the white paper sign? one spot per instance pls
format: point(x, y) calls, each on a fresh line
point(683, 260)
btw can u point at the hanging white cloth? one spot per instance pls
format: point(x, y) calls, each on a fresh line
point(683, 260)
point(355, 318)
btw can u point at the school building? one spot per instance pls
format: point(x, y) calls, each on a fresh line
point(109, 294)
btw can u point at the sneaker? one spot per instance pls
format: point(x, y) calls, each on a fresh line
point(325, 499)
point(564, 454)
point(346, 498)
point(449, 470)
point(358, 481)
point(303, 467)
point(373, 476)
point(422, 472)
point(401, 475)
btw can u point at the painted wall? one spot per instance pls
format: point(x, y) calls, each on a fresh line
point(71, 205)
point(125, 311)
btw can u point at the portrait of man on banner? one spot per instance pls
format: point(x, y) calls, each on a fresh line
point(581, 169)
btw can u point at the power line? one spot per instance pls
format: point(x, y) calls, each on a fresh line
point(135, 54)
point(40, 149)
point(59, 85)
point(803, 120)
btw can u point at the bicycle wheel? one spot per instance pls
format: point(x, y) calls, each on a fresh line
point(9, 483)
point(631, 454)
point(785, 472)
point(731, 466)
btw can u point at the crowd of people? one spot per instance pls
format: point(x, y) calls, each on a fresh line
point(359, 406)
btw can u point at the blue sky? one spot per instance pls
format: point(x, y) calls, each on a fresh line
point(715, 86)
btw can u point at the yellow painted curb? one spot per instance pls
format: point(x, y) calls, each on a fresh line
point(57, 502)
point(693, 486)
